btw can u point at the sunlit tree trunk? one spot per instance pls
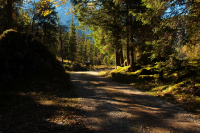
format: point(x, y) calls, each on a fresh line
point(121, 56)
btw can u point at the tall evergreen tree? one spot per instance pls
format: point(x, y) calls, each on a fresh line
point(66, 45)
point(72, 41)
point(103, 15)
point(47, 23)
point(81, 47)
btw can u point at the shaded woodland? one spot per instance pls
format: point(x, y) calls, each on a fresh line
point(153, 45)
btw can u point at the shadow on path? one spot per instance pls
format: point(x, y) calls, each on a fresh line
point(38, 105)
point(115, 108)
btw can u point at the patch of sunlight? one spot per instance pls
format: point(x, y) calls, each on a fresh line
point(46, 102)
point(170, 89)
point(66, 100)
point(197, 85)
point(94, 82)
point(22, 94)
point(175, 74)
point(152, 93)
point(118, 102)
point(136, 72)
point(143, 76)
point(159, 88)
point(121, 99)
point(83, 73)
point(133, 84)
point(193, 62)
point(111, 89)
point(148, 67)
point(179, 84)
point(105, 72)
point(120, 69)
point(93, 73)
point(65, 61)
point(119, 114)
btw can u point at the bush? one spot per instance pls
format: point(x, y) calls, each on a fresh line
point(78, 67)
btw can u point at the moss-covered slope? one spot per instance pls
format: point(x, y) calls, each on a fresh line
point(21, 55)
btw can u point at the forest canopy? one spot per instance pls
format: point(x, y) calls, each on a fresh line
point(135, 31)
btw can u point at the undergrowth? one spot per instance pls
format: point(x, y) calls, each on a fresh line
point(180, 86)
point(35, 91)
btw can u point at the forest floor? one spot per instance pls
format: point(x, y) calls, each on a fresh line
point(107, 106)
point(40, 104)
point(92, 103)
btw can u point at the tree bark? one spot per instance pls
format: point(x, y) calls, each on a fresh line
point(61, 45)
point(132, 49)
point(117, 59)
point(132, 62)
point(128, 34)
point(9, 14)
point(121, 56)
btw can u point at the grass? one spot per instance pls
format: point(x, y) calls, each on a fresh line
point(102, 66)
point(177, 87)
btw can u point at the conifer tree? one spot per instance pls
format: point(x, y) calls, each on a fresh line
point(106, 18)
point(66, 45)
point(72, 41)
point(81, 47)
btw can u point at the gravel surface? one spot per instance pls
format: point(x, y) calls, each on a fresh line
point(115, 108)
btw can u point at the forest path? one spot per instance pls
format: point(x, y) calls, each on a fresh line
point(115, 108)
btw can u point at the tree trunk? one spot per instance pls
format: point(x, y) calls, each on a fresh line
point(61, 45)
point(127, 51)
point(132, 62)
point(121, 56)
point(9, 14)
point(132, 49)
point(117, 59)
point(128, 34)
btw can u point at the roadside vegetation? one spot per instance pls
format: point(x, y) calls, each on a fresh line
point(179, 85)
point(35, 91)
point(154, 46)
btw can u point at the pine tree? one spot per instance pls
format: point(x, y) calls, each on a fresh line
point(107, 18)
point(48, 24)
point(66, 45)
point(72, 41)
point(81, 47)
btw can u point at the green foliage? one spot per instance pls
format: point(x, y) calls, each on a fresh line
point(48, 23)
point(78, 67)
point(180, 85)
point(192, 24)
point(72, 41)
point(23, 21)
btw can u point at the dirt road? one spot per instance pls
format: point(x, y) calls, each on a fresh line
point(115, 108)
